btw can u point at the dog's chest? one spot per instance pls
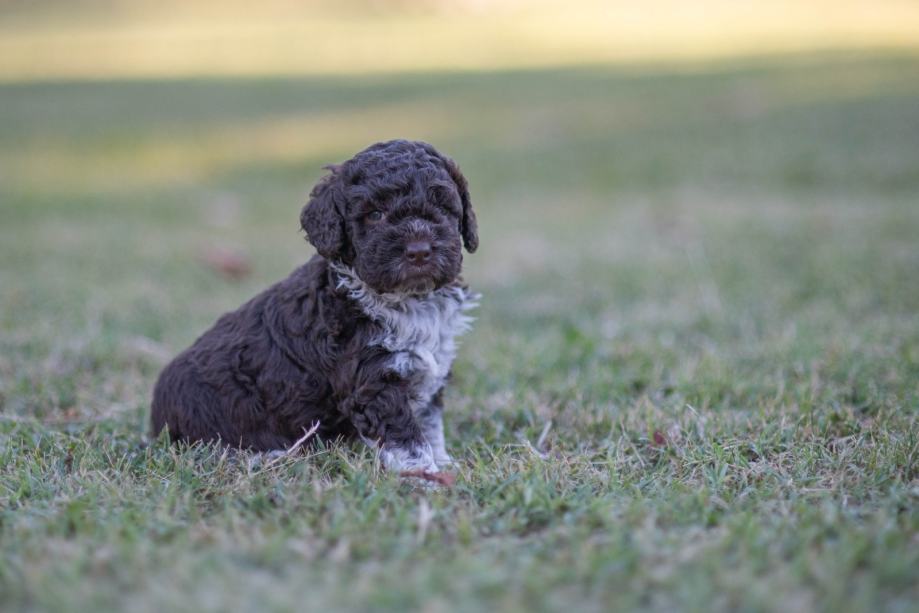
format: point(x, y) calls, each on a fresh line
point(419, 331)
point(421, 335)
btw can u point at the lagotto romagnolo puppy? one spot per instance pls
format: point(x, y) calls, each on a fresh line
point(360, 338)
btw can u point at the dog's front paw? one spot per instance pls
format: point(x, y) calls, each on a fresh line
point(444, 460)
point(417, 458)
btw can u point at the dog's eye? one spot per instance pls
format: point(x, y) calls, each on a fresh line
point(374, 216)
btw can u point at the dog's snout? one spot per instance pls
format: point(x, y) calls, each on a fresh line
point(418, 252)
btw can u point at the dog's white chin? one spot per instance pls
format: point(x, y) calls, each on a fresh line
point(417, 287)
point(414, 287)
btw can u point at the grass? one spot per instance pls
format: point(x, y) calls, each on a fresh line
point(705, 281)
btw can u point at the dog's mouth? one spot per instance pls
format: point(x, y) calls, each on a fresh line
point(408, 283)
point(418, 281)
point(392, 272)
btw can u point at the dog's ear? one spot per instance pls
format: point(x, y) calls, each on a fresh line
point(323, 216)
point(469, 227)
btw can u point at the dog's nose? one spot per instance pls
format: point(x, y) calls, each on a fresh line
point(418, 252)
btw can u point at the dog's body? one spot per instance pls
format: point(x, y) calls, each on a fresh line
point(361, 338)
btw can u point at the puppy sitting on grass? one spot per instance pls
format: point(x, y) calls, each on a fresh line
point(360, 338)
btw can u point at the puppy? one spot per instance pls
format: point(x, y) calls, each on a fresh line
point(360, 338)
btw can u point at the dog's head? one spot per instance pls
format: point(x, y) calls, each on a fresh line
point(398, 213)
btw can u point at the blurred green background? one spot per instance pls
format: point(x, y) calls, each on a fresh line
point(700, 245)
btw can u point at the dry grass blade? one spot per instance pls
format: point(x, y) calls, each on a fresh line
point(542, 436)
point(306, 436)
point(290, 451)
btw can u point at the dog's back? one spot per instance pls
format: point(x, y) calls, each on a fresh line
point(239, 382)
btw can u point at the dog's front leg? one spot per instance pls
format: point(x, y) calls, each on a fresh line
point(431, 420)
point(380, 410)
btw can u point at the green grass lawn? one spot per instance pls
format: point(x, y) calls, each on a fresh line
point(701, 296)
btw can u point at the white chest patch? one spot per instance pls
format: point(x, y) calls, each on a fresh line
point(420, 331)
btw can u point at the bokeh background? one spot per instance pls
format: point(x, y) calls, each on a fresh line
point(700, 245)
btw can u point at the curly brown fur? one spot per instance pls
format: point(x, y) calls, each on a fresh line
point(360, 338)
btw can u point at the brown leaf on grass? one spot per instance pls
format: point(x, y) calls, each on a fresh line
point(231, 264)
point(659, 438)
point(441, 478)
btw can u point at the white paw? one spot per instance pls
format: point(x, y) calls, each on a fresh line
point(443, 459)
point(406, 459)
